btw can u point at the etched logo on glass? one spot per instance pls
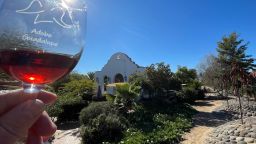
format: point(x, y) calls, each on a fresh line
point(65, 19)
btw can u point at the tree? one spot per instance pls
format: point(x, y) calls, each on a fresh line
point(186, 75)
point(125, 95)
point(139, 82)
point(161, 78)
point(59, 84)
point(91, 75)
point(232, 52)
point(210, 73)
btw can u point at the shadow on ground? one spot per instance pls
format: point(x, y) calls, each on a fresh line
point(68, 126)
point(211, 119)
point(202, 103)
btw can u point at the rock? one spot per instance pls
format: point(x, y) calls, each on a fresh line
point(242, 142)
point(239, 139)
point(232, 138)
point(249, 140)
point(242, 134)
point(231, 132)
point(253, 135)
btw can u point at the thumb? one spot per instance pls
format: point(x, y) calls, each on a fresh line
point(15, 123)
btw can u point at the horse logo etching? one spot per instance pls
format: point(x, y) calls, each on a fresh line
point(65, 10)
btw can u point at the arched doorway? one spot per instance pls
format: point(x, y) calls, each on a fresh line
point(119, 78)
point(106, 82)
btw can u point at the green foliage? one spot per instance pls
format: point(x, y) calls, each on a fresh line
point(58, 85)
point(101, 123)
point(73, 95)
point(109, 97)
point(91, 76)
point(77, 87)
point(134, 136)
point(95, 109)
point(195, 85)
point(139, 81)
point(104, 128)
point(66, 108)
point(160, 77)
point(186, 75)
point(232, 52)
point(157, 122)
point(190, 94)
point(125, 95)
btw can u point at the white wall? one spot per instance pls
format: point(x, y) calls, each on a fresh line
point(118, 63)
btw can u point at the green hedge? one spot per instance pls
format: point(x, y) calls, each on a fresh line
point(101, 123)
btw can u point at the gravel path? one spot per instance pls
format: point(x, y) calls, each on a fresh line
point(234, 132)
point(205, 121)
point(67, 137)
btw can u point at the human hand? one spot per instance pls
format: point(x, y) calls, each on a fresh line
point(22, 115)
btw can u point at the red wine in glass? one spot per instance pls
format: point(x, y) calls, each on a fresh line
point(36, 67)
point(40, 40)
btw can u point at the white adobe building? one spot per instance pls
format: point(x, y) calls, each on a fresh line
point(118, 69)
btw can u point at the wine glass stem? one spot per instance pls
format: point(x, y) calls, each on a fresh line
point(32, 88)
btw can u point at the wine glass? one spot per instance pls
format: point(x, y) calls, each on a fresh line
point(41, 40)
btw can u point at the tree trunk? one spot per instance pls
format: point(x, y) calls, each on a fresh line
point(226, 93)
point(248, 99)
point(240, 106)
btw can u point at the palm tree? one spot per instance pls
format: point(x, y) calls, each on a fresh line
point(91, 75)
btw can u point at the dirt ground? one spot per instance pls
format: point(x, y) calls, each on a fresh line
point(204, 121)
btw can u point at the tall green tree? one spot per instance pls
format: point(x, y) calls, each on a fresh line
point(232, 52)
point(161, 78)
point(91, 75)
point(186, 75)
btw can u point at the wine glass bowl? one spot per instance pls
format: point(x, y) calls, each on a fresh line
point(41, 40)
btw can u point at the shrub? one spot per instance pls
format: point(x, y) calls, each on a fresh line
point(99, 99)
point(190, 95)
point(103, 128)
point(156, 122)
point(125, 95)
point(66, 108)
point(101, 123)
point(95, 109)
point(109, 97)
point(71, 99)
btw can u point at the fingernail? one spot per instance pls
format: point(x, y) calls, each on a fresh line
point(37, 106)
point(39, 103)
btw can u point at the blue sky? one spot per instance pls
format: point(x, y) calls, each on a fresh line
point(177, 32)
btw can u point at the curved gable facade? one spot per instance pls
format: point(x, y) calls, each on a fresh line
point(118, 69)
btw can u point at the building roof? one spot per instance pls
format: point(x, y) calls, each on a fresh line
point(120, 54)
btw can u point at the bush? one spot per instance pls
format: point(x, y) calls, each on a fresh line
point(104, 128)
point(156, 122)
point(74, 92)
point(66, 108)
point(109, 97)
point(101, 123)
point(94, 110)
point(190, 95)
point(99, 99)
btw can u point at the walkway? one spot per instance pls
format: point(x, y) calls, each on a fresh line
point(205, 121)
